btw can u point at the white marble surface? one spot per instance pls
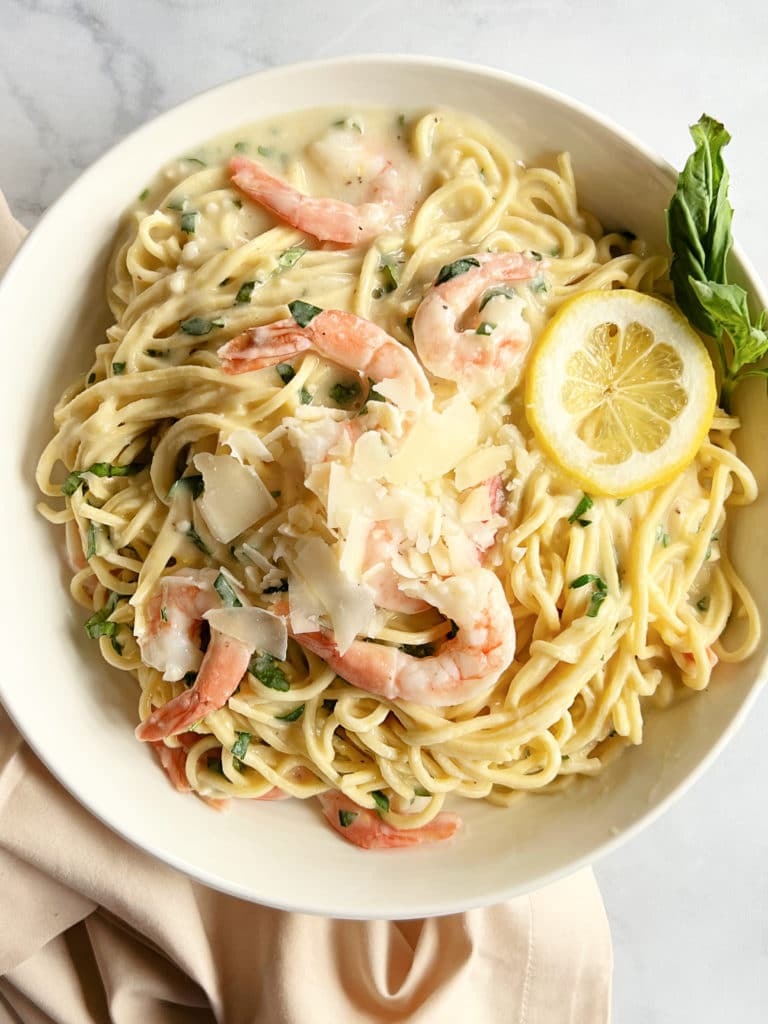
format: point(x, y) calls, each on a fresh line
point(688, 900)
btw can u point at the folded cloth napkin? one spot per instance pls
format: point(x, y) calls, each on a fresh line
point(96, 931)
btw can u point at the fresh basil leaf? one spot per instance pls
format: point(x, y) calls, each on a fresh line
point(244, 293)
point(285, 372)
point(163, 614)
point(188, 221)
point(727, 305)
point(344, 394)
point(241, 147)
point(118, 368)
point(485, 328)
point(266, 151)
point(594, 605)
point(198, 541)
point(117, 647)
point(91, 378)
point(292, 716)
point(420, 791)
point(266, 669)
point(451, 270)
point(143, 195)
point(90, 550)
point(588, 577)
point(240, 746)
point(703, 603)
point(290, 257)
point(176, 204)
point(390, 269)
point(226, 592)
point(98, 624)
point(195, 160)
point(346, 818)
point(199, 326)
point(100, 469)
point(584, 505)
point(303, 312)
point(380, 799)
point(493, 293)
point(699, 222)
point(305, 397)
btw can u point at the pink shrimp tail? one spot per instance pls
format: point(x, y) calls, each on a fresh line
point(224, 665)
point(263, 346)
point(329, 220)
point(367, 830)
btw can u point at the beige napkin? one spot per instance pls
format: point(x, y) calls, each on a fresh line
point(92, 930)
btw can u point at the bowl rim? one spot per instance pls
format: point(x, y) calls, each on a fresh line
point(449, 905)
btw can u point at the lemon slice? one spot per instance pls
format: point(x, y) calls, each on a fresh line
point(620, 391)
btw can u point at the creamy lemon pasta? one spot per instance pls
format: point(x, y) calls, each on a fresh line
point(311, 502)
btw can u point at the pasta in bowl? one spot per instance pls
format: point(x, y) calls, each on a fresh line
point(308, 505)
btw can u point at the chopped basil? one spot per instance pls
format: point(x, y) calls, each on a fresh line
point(195, 160)
point(598, 595)
point(197, 540)
point(241, 147)
point(266, 151)
point(143, 195)
point(285, 372)
point(703, 603)
point(380, 799)
point(620, 501)
point(451, 270)
point(346, 818)
point(98, 625)
point(91, 378)
point(708, 552)
point(594, 605)
point(493, 293)
point(163, 614)
point(303, 312)
point(117, 647)
point(485, 328)
point(345, 122)
point(244, 293)
point(240, 746)
point(290, 257)
point(90, 550)
point(198, 326)
point(101, 469)
point(305, 397)
point(266, 669)
point(281, 589)
point(190, 678)
point(292, 716)
point(118, 368)
point(539, 284)
point(662, 537)
point(214, 764)
point(177, 204)
point(535, 255)
point(226, 592)
point(345, 394)
point(418, 650)
point(583, 506)
point(588, 577)
point(189, 221)
point(193, 483)
point(391, 271)
point(555, 251)
point(420, 791)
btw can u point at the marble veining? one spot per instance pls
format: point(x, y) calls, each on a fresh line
point(688, 899)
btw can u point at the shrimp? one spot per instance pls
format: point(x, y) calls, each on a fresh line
point(468, 664)
point(476, 361)
point(331, 220)
point(171, 644)
point(344, 338)
point(366, 829)
point(379, 575)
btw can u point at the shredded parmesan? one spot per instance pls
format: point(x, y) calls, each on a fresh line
point(234, 496)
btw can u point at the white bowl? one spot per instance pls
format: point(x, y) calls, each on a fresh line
point(79, 715)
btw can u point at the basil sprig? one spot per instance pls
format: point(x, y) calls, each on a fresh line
point(699, 234)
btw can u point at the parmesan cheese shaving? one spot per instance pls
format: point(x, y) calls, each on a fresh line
point(436, 444)
point(349, 606)
point(247, 446)
point(234, 496)
point(258, 629)
point(482, 465)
